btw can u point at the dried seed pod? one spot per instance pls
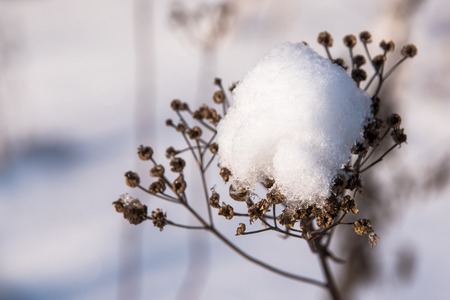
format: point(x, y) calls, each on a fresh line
point(239, 193)
point(258, 210)
point(359, 60)
point(394, 120)
point(214, 148)
point(350, 41)
point(365, 37)
point(145, 153)
point(362, 227)
point(241, 229)
point(387, 46)
point(275, 196)
point(157, 187)
point(227, 211)
point(219, 97)
point(159, 219)
point(194, 133)
point(214, 200)
point(225, 174)
point(171, 152)
point(177, 105)
point(348, 205)
point(378, 61)
point(135, 212)
point(157, 171)
point(177, 164)
point(409, 50)
point(325, 39)
point(399, 136)
point(287, 218)
point(132, 179)
point(359, 75)
point(268, 182)
point(179, 185)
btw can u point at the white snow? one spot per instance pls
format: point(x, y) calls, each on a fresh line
point(294, 118)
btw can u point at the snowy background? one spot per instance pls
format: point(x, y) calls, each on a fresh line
point(70, 72)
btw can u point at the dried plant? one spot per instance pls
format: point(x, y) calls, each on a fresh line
point(312, 223)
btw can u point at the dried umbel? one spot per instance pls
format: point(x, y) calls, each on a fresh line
point(311, 219)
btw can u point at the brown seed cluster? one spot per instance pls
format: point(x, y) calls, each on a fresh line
point(133, 211)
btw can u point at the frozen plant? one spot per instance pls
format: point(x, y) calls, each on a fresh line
point(301, 128)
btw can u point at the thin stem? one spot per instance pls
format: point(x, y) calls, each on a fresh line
point(379, 159)
point(388, 73)
point(256, 231)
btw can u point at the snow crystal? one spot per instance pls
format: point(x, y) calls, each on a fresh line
point(294, 118)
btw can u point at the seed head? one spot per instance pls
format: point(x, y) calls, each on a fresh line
point(157, 171)
point(350, 41)
point(227, 211)
point(132, 179)
point(365, 37)
point(325, 39)
point(159, 219)
point(177, 164)
point(394, 120)
point(179, 185)
point(219, 97)
point(214, 200)
point(238, 193)
point(157, 187)
point(387, 46)
point(145, 153)
point(241, 229)
point(409, 50)
point(225, 174)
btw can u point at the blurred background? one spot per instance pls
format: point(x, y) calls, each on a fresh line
point(83, 83)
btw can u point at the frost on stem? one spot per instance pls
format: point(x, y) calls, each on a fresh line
point(295, 118)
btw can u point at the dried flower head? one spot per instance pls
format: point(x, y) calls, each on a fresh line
point(325, 39)
point(219, 97)
point(268, 182)
point(181, 127)
point(258, 210)
point(394, 120)
point(171, 152)
point(350, 40)
point(362, 227)
point(387, 46)
point(194, 133)
point(275, 196)
point(373, 239)
point(359, 60)
point(214, 148)
point(365, 37)
point(324, 219)
point(348, 205)
point(159, 219)
point(399, 136)
point(177, 105)
point(157, 171)
point(287, 218)
point(409, 50)
point(359, 75)
point(238, 193)
point(225, 174)
point(177, 164)
point(340, 62)
point(214, 200)
point(133, 210)
point(156, 187)
point(227, 211)
point(241, 229)
point(145, 153)
point(179, 185)
point(378, 61)
point(132, 179)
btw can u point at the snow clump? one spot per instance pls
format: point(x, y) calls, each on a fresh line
point(294, 118)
